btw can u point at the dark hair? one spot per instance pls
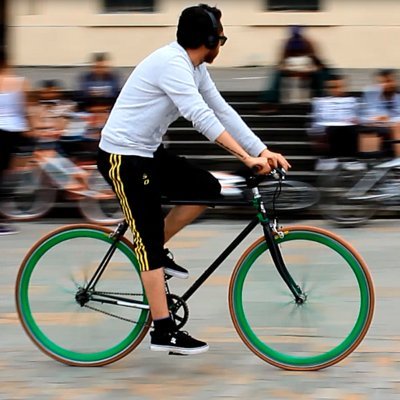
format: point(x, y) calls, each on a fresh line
point(100, 57)
point(50, 83)
point(195, 26)
point(335, 77)
point(385, 72)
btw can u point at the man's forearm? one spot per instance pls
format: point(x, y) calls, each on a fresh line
point(227, 142)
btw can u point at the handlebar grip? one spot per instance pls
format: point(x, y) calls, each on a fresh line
point(276, 173)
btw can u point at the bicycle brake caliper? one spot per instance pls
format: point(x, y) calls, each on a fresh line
point(276, 230)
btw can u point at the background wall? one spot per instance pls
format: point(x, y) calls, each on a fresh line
point(349, 33)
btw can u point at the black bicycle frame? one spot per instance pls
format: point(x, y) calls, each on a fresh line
point(117, 235)
point(268, 235)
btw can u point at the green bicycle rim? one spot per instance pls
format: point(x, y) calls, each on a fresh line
point(34, 329)
point(296, 361)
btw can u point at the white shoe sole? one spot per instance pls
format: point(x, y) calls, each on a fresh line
point(176, 274)
point(179, 350)
point(8, 233)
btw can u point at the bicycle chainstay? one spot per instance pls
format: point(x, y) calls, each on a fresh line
point(115, 315)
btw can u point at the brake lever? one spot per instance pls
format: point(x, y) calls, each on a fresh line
point(278, 173)
point(254, 180)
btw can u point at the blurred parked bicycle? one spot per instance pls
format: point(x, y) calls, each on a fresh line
point(295, 195)
point(352, 191)
point(33, 186)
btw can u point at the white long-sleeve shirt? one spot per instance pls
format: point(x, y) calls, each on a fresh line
point(164, 86)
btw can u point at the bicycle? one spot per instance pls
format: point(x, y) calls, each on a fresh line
point(352, 191)
point(33, 189)
point(305, 307)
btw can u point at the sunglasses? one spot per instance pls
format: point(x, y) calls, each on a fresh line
point(222, 39)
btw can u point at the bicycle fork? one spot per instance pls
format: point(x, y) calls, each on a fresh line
point(276, 255)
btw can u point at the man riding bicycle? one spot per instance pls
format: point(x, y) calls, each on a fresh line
point(171, 82)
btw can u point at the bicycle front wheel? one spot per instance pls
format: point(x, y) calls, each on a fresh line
point(49, 279)
point(336, 313)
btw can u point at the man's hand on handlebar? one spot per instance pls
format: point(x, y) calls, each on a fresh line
point(275, 160)
point(267, 161)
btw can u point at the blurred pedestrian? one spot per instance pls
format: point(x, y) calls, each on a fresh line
point(14, 123)
point(299, 59)
point(101, 80)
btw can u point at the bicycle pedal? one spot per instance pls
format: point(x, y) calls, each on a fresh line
point(171, 353)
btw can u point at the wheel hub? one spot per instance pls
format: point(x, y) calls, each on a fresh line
point(82, 297)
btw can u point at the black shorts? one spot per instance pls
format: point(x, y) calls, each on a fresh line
point(139, 184)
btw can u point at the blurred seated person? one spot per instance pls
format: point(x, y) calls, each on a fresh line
point(100, 80)
point(335, 120)
point(381, 107)
point(98, 110)
point(49, 119)
point(49, 115)
point(299, 59)
point(82, 134)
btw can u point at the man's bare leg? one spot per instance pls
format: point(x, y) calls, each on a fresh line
point(154, 281)
point(154, 285)
point(179, 217)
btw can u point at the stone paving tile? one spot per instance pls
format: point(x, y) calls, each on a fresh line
point(229, 370)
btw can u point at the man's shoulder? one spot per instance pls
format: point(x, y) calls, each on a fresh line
point(169, 51)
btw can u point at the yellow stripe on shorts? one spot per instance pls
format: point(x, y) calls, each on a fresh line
point(140, 251)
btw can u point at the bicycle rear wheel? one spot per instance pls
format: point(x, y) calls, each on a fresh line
point(50, 277)
point(332, 321)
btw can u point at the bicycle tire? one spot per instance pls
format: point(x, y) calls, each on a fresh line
point(294, 196)
point(291, 345)
point(32, 196)
point(103, 211)
point(47, 283)
point(335, 207)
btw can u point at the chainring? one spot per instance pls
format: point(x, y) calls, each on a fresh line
point(179, 309)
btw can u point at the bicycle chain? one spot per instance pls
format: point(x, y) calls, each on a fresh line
point(115, 315)
point(121, 294)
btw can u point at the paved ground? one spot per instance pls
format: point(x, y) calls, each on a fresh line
point(229, 370)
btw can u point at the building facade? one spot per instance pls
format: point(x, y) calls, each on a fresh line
point(348, 33)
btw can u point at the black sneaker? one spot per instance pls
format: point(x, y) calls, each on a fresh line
point(173, 269)
point(179, 342)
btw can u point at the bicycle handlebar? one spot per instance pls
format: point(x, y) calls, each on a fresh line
point(255, 179)
point(278, 173)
